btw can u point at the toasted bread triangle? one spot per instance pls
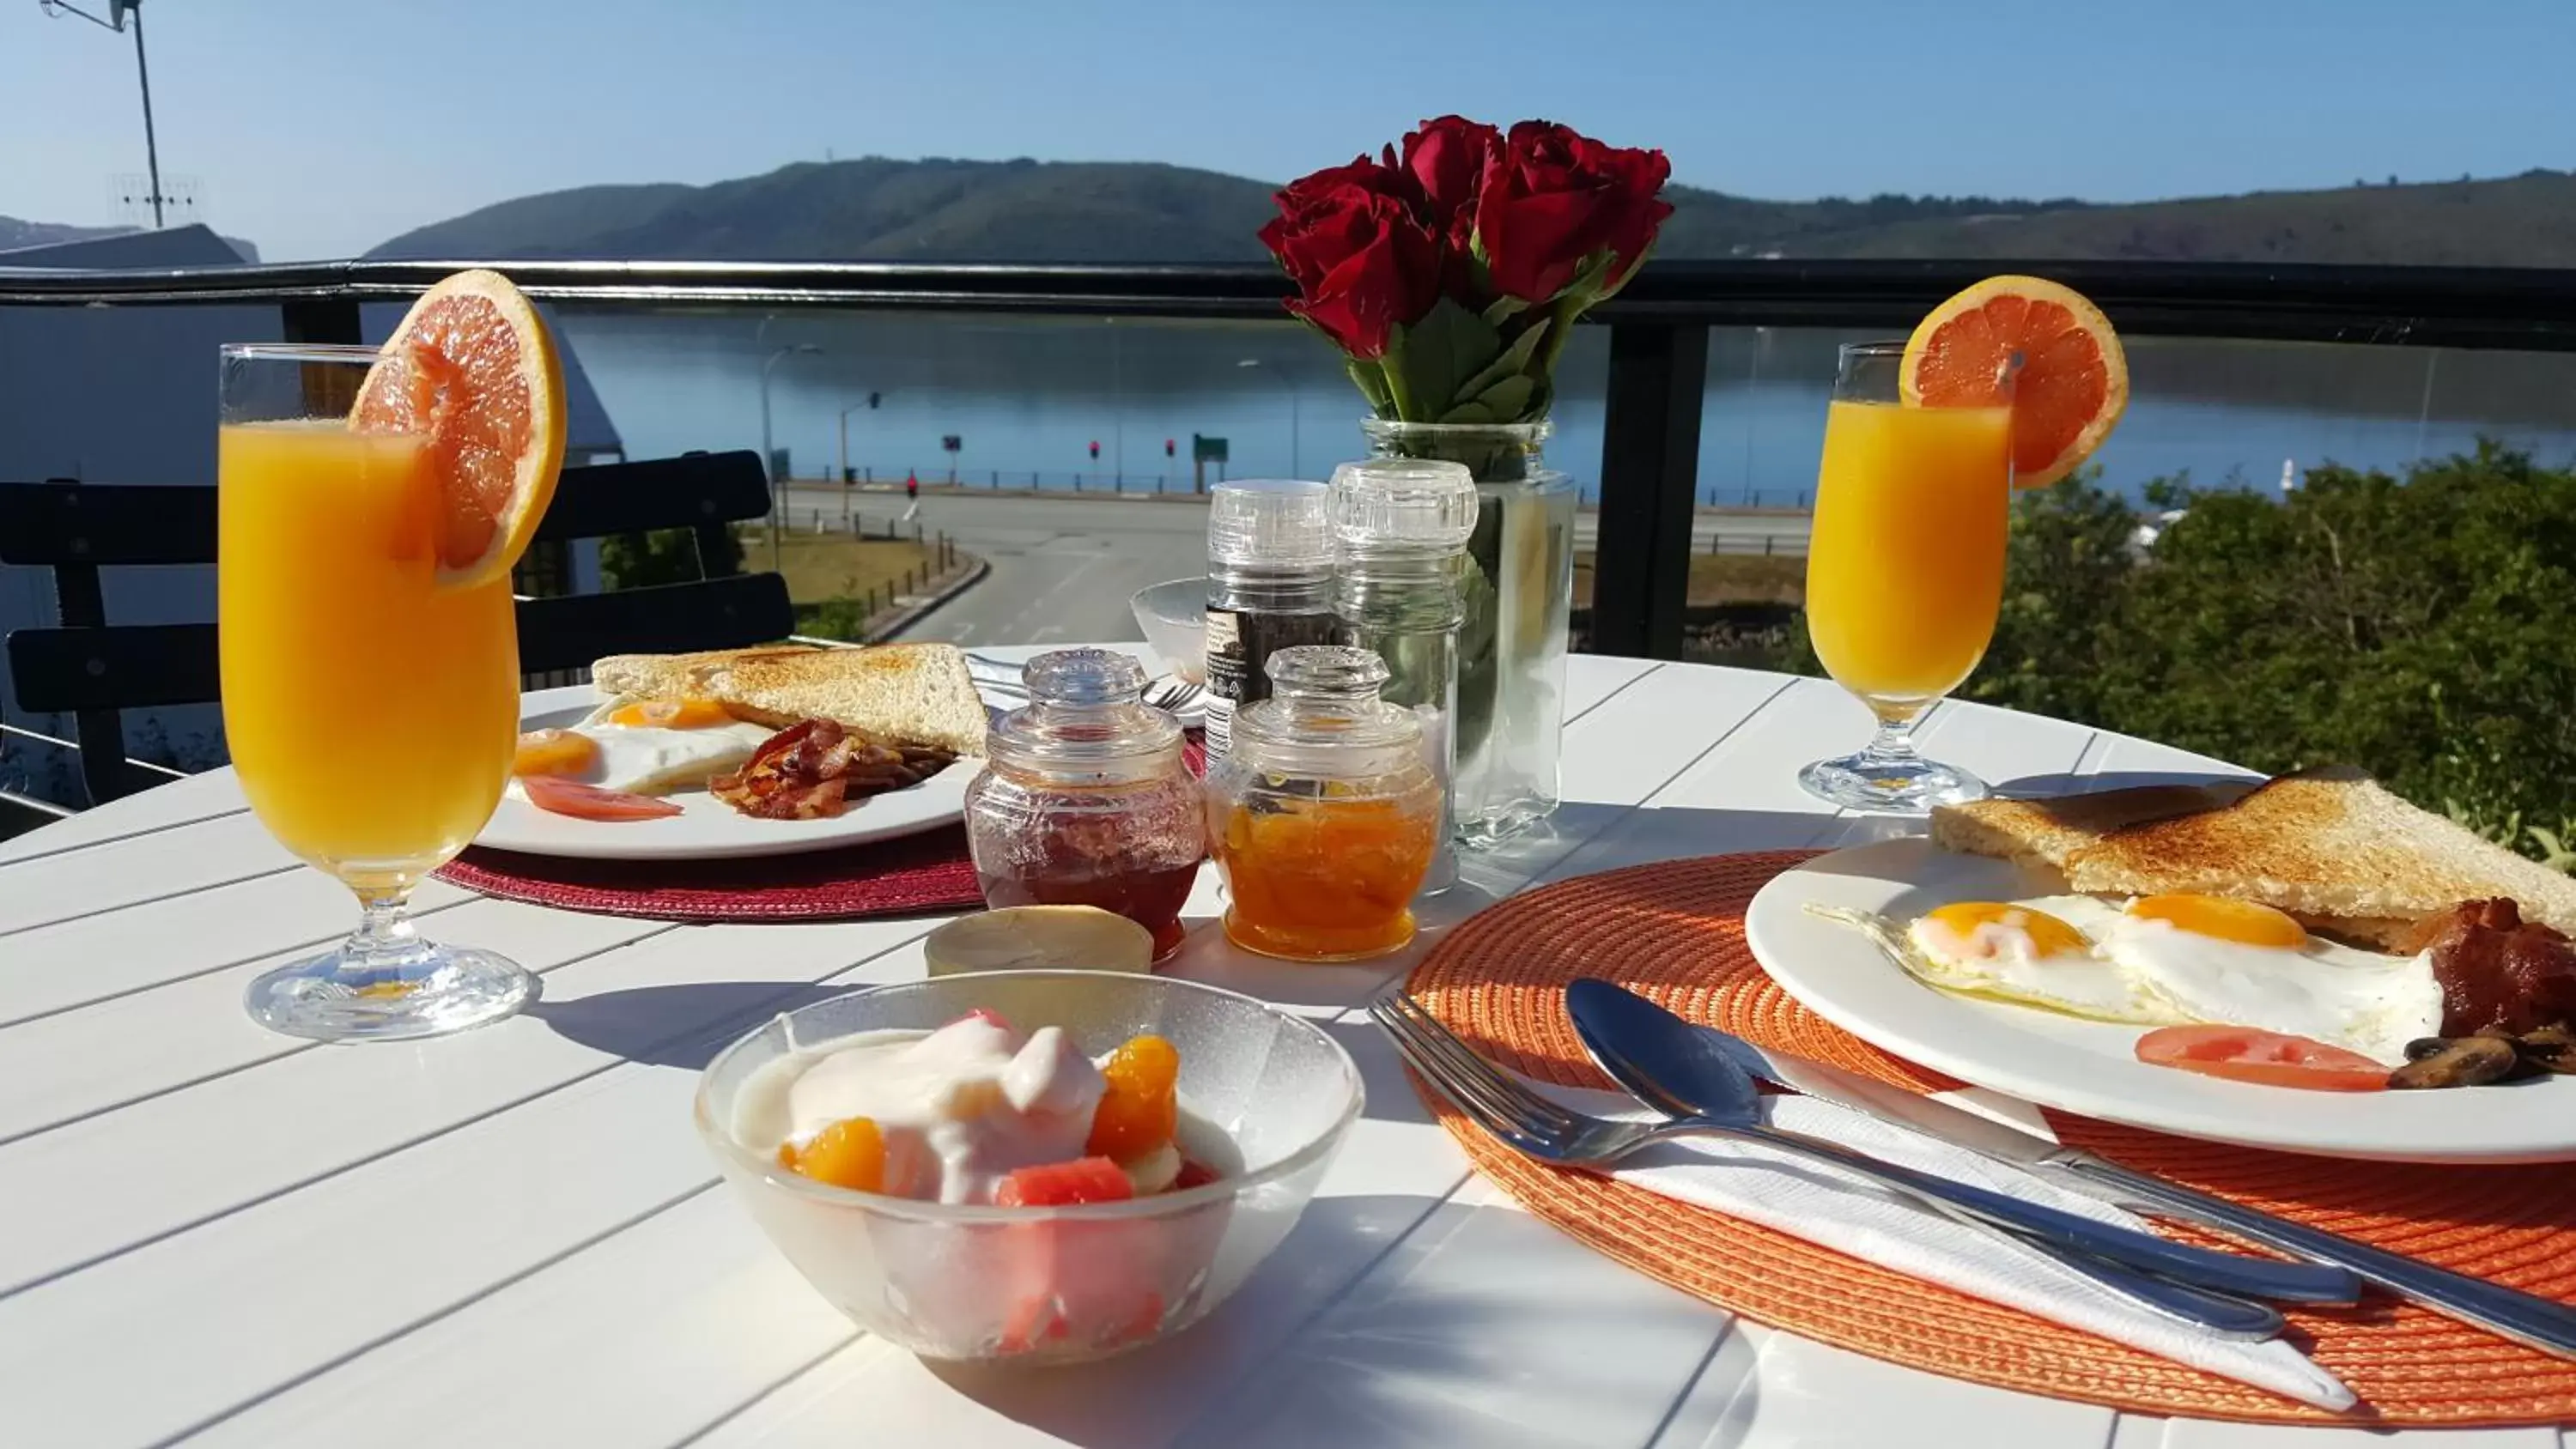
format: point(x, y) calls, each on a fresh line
point(2321, 844)
point(2049, 832)
point(918, 693)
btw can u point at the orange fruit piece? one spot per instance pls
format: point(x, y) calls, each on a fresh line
point(850, 1153)
point(473, 368)
point(2070, 381)
point(1141, 1109)
point(553, 752)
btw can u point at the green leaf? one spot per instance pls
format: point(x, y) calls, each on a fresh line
point(1515, 359)
point(1470, 412)
point(1426, 362)
point(1504, 309)
point(1371, 378)
point(1508, 400)
point(1609, 292)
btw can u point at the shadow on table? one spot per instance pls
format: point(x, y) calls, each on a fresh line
point(2035, 786)
point(1653, 833)
point(676, 1026)
point(1391, 1097)
point(1133, 1399)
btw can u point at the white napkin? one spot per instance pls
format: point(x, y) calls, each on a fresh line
point(1828, 1206)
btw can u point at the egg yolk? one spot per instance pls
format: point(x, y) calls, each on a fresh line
point(2048, 935)
point(2243, 922)
point(672, 714)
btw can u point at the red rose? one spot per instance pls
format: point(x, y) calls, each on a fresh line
point(1447, 160)
point(1351, 240)
point(1552, 199)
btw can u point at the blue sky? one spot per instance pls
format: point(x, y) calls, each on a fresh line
point(321, 127)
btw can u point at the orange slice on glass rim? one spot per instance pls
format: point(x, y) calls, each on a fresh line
point(473, 368)
point(2069, 387)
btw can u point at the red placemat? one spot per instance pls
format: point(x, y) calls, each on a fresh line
point(911, 873)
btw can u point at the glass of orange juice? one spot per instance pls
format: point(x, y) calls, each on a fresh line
point(372, 709)
point(1905, 570)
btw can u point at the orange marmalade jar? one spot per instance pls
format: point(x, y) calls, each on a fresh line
point(1325, 815)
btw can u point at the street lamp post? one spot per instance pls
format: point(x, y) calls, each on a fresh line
point(1295, 468)
point(769, 454)
point(117, 10)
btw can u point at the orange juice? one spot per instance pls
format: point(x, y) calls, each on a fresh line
point(1905, 564)
point(372, 714)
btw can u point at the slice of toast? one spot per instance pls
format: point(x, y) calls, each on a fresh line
point(2049, 832)
point(917, 693)
point(2329, 846)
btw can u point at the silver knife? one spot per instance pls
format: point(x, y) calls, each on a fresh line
point(1674, 1066)
point(2526, 1318)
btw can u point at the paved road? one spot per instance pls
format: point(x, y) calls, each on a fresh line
point(1063, 568)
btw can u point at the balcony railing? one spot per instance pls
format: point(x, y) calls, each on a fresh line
point(1659, 335)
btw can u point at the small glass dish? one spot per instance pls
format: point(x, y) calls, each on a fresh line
point(1173, 615)
point(1056, 1285)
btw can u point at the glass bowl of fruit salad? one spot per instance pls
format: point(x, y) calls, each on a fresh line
point(1029, 1166)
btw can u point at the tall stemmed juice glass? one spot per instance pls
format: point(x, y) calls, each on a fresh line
point(1905, 570)
point(372, 708)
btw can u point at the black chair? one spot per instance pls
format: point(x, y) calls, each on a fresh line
point(91, 669)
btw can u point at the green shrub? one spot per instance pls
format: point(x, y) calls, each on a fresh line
point(663, 556)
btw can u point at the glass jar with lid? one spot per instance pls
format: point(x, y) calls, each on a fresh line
point(1325, 816)
point(1084, 799)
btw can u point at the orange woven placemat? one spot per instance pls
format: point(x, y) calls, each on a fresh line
point(1674, 931)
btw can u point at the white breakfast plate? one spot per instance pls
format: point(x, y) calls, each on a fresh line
point(2087, 1067)
point(707, 828)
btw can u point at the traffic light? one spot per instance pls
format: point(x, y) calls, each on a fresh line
point(1169, 448)
point(1095, 450)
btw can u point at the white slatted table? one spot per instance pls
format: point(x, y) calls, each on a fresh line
point(215, 1235)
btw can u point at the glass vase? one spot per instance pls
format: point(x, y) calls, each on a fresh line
point(1517, 582)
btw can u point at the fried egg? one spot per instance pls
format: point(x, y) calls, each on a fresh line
point(2031, 952)
point(639, 755)
point(2171, 960)
point(2240, 964)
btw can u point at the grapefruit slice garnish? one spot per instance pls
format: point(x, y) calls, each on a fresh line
point(2070, 379)
point(473, 369)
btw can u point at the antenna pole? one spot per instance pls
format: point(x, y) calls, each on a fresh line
point(151, 147)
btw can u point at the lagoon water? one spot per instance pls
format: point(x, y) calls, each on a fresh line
point(1026, 399)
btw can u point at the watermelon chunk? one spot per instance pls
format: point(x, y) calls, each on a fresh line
point(1064, 1184)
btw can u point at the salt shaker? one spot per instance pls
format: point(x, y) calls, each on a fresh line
point(1400, 527)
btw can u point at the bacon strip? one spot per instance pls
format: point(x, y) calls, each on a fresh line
point(814, 769)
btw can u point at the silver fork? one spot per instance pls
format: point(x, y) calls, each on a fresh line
point(1550, 1132)
point(1173, 693)
point(996, 676)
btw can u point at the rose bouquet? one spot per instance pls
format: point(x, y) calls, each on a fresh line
point(1450, 272)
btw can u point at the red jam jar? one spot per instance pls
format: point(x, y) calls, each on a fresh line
point(1084, 800)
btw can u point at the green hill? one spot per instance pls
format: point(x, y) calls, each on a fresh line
point(1029, 211)
point(880, 210)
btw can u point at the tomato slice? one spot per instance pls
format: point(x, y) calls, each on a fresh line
point(589, 802)
point(2270, 1058)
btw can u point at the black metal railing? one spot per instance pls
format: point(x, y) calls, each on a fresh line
point(1659, 333)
